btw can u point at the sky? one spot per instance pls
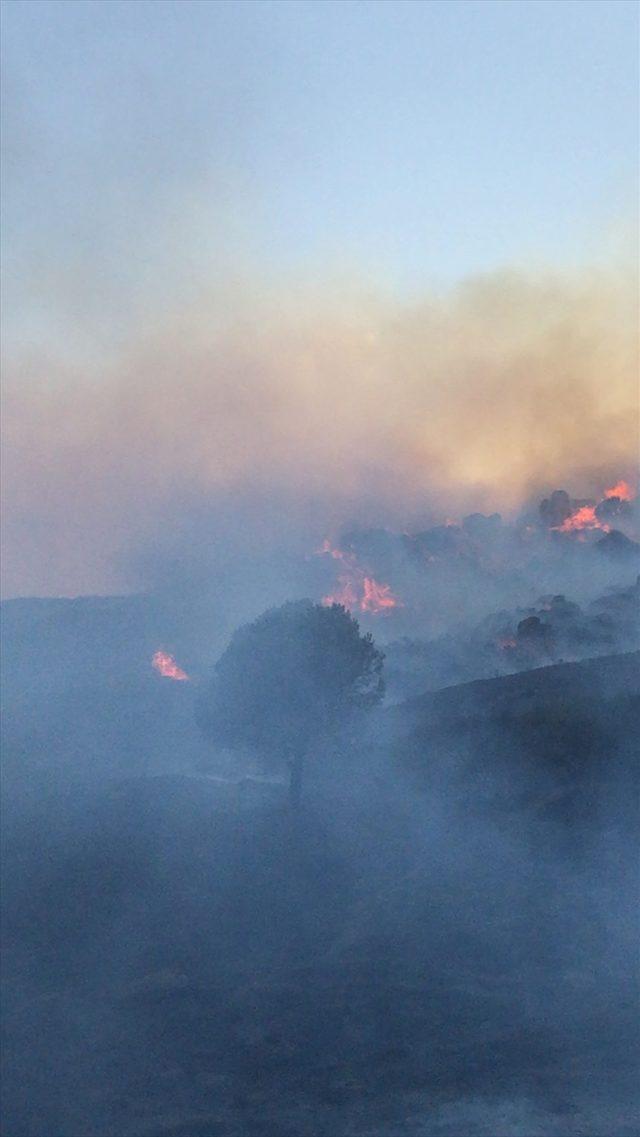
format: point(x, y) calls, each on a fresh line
point(190, 168)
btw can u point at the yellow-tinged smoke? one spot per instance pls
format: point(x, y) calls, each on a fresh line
point(331, 407)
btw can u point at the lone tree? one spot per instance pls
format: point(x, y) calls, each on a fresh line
point(286, 678)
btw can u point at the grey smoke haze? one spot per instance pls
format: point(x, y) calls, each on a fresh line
point(445, 947)
point(275, 273)
point(274, 417)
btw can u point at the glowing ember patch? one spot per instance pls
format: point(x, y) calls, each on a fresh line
point(166, 665)
point(337, 554)
point(583, 518)
point(376, 597)
point(345, 595)
point(357, 591)
point(622, 490)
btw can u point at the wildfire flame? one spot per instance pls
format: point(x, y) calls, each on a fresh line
point(376, 597)
point(583, 518)
point(166, 665)
point(357, 591)
point(622, 490)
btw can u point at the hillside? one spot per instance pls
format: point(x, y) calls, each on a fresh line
point(458, 899)
point(605, 676)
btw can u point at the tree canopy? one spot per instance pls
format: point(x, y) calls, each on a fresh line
point(289, 675)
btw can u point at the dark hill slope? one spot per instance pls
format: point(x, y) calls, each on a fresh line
point(440, 945)
point(604, 676)
point(566, 735)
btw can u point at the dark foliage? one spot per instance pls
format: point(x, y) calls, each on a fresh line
point(287, 676)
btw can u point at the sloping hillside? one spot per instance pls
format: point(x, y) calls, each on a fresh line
point(562, 734)
point(604, 676)
point(441, 941)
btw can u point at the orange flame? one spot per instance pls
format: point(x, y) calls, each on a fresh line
point(622, 490)
point(166, 665)
point(345, 595)
point(357, 591)
point(327, 548)
point(581, 519)
point(376, 597)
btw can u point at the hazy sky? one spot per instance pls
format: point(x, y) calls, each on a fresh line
point(416, 141)
point(177, 162)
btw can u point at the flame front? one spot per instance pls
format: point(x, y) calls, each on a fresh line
point(583, 518)
point(166, 665)
point(586, 517)
point(357, 591)
point(622, 490)
point(376, 597)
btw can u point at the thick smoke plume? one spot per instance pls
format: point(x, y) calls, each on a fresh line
point(295, 412)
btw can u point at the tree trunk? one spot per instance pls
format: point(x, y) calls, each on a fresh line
point(295, 782)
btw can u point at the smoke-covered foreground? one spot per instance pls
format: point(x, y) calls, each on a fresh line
point(319, 345)
point(441, 943)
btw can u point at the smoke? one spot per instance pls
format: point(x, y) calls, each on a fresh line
point(272, 417)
